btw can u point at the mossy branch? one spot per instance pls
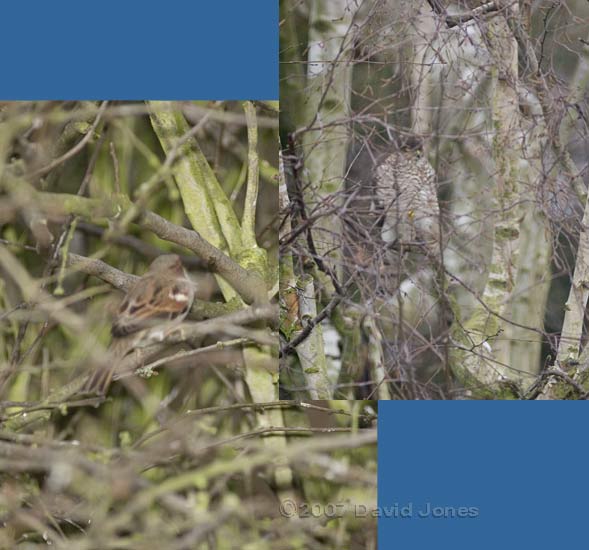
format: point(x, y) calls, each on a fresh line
point(248, 284)
point(209, 210)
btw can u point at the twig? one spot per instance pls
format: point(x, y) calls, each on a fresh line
point(156, 340)
point(74, 150)
point(454, 20)
point(323, 314)
point(145, 190)
point(146, 249)
point(115, 163)
point(248, 284)
point(219, 346)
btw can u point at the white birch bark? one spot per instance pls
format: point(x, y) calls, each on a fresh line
point(327, 109)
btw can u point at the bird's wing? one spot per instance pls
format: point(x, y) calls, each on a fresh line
point(152, 299)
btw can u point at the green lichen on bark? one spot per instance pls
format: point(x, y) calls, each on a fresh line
point(471, 357)
point(206, 204)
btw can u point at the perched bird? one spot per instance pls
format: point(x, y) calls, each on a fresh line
point(406, 188)
point(161, 298)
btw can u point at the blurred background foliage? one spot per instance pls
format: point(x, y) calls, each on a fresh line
point(203, 479)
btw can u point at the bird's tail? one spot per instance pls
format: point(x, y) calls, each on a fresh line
point(99, 380)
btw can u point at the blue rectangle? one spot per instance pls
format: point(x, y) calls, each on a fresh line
point(482, 475)
point(178, 49)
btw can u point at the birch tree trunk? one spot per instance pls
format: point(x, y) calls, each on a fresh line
point(320, 137)
point(325, 136)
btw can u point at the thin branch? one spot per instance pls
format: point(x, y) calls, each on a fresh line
point(248, 223)
point(77, 148)
point(247, 283)
point(323, 314)
point(146, 249)
point(457, 19)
